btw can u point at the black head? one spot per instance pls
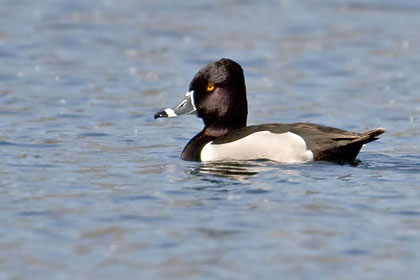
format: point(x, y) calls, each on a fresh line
point(220, 95)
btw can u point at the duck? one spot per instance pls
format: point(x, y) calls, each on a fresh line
point(217, 95)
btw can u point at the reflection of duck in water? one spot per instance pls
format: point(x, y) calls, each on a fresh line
point(244, 170)
point(235, 170)
point(218, 95)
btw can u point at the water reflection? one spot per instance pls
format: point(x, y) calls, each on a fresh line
point(245, 170)
point(234, 170)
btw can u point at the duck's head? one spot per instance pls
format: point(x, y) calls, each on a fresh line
point(217, 94)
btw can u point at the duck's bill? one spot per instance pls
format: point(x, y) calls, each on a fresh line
point(186, 106)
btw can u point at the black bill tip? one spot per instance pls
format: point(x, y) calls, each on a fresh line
point(162, 114)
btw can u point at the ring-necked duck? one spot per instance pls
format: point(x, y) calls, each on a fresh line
point(217, 94)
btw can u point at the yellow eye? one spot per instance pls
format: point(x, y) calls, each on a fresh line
point(210, 87)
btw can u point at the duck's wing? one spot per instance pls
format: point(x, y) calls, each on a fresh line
point(326, 143)
point(332, 144)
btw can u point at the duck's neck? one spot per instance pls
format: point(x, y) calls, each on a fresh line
point(222, 127)
point(214, 131)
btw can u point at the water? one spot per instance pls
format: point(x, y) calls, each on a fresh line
point(92, 187)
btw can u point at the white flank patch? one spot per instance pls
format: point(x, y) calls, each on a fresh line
point(285, 148)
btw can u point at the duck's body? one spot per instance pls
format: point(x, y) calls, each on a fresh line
point(218, 95)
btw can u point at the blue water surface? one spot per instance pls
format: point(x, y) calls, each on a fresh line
point(92, 187)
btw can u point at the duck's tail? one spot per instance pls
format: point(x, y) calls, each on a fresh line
point(368, 136)
point(349, 146)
